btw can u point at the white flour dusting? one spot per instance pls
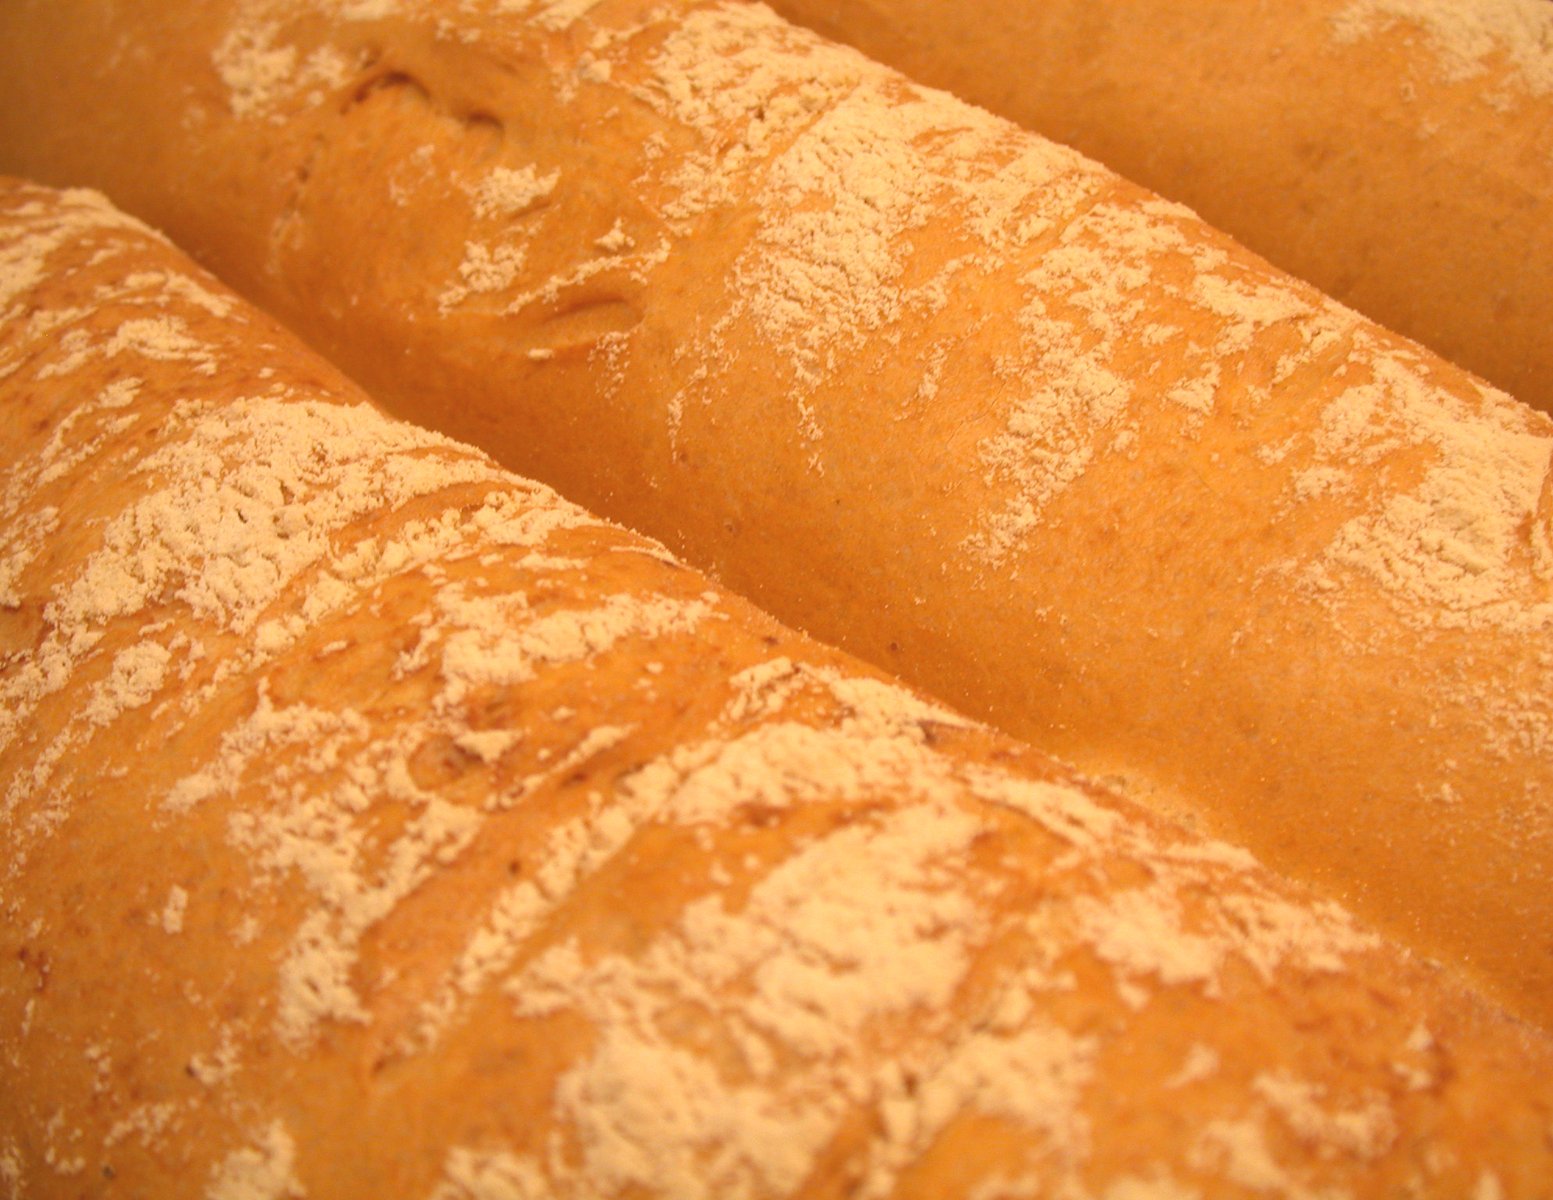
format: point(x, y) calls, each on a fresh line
point(1466, 38)
point(830, 911)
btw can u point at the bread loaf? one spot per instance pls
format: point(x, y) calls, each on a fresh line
point(1396, 153)
point(377, 824)
point(915, 380)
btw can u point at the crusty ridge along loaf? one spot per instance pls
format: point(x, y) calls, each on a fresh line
point(1396, 153)
point(914, 379)
point(375, 823)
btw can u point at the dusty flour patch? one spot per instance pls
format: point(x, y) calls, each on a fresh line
point(263, 1171)
point(1470, 545)
point(511, 191)
point(1466, 38)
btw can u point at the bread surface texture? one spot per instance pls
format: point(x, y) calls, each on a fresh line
point(376, 823)
point(919, 382)
point(1396, 153)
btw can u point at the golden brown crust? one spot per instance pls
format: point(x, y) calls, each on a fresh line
point(924, 384)
point(375, 823)
point(1392, 152)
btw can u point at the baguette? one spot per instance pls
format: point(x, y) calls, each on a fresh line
point(914, 380)
point(1396, 153)
point(376, 823)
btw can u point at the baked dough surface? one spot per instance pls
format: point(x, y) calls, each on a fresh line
point(914, 380)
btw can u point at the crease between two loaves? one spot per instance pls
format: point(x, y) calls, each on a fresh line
point(377, 823)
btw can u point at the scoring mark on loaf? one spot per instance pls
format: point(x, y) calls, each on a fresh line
point(395, 100)
point(584, 320)
point(402, 138)
point(390, 97)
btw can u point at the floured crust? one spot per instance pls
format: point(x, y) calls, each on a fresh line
point(930, 387)
point(378, 823)
point(1392, 152)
